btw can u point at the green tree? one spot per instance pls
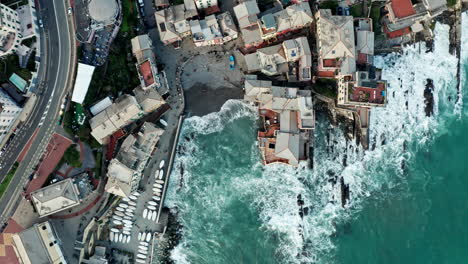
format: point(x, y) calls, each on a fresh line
point(72, 156)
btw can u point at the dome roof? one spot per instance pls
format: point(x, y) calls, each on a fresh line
point(103, 11)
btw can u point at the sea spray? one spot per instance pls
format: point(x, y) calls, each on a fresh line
point(235, 210)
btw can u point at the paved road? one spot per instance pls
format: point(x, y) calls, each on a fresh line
point(57, 52)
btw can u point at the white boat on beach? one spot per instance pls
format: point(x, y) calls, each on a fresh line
point(144, 243)
point(145, 213)
point(132, 203)
point(125, 199)
point(120, 237)
point(157, 185)
point(116, 237)
point(159, 181)
point(143, 236)
point(119, 213)
point(157, 198)
point(156, 190)
point(111, 236)
point(133, 197)
point(161, 174)
point(126, 232)
point(161, 164)
point(148, 237)
point(128, 239)
point(129, 213)
point(143, 247)
point(143, 251)
point(136, 194)
point(153, 203)
point(115, 230)
point(117, 222)
point(163, 122)
point(116, 217)
point(142, 256)
point(140, 260)
point(157, 195)
point(119, 209)
point(154, 216)
point(150, 207)
point(133, 208)
point(123, 205)
point(127, 221)
point(127, 217)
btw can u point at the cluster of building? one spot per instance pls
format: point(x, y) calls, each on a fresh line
point(292, 58)
point(344, 52)
point(257, 28)
point(178, 21)
point(404, 17)
point(287, 120)
point(148, 97)
point(125, 170)
point(345, 49)
point(125, 110)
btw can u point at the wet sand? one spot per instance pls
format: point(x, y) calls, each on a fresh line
point(201, 99)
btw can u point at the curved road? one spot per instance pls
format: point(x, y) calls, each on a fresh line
point(57, 59)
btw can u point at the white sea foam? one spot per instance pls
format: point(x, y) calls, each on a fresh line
point(464, 60)
point(215, 122)
point(274, 195)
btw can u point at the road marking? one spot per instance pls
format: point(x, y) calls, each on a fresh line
point(23, 179)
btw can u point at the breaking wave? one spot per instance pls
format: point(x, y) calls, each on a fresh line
point(218, 166)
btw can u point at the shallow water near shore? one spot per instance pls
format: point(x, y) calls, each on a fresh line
point(407, 199)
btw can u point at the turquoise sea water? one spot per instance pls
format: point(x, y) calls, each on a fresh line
point(235, 210)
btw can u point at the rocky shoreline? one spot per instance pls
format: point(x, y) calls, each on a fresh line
point(202, 99)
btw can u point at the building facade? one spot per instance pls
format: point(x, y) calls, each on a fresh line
point(9, 113)
point(125, 171)
point(10, 30)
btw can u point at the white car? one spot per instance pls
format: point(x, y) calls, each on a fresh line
point(70, 10)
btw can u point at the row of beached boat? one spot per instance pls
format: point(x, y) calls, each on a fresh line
point(143, 246)
point(124, 214)
point(116, 236)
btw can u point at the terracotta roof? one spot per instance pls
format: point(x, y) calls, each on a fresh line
point(397, 33)
point(145, 69)
point(402, 8)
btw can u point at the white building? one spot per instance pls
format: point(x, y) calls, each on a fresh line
point(202, 4)
point(9, 112)
point(56, 197)
point(10, 28)
point(38, 244)
point(103, 13)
